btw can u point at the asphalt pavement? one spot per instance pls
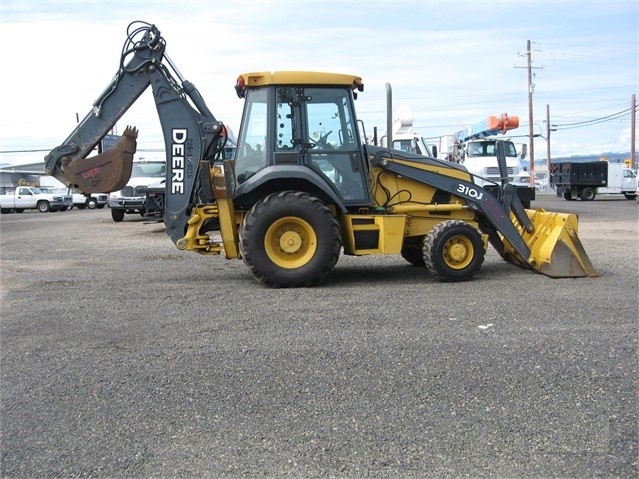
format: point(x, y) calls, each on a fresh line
point(122, 356)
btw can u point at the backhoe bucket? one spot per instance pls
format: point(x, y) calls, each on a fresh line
point(106, 172)
point(555, 248)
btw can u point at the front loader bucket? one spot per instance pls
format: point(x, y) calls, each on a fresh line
point(555, 248)
point(106, 172)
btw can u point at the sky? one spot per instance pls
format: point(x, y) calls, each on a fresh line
point(453, 63)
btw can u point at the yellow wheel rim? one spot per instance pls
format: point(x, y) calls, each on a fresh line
point(458, 252)
point(290, 242)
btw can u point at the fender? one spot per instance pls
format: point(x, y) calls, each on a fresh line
point(286, 177)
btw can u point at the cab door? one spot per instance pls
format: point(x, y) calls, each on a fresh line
point(629, 181)
point(24, 198)
point(333, 146)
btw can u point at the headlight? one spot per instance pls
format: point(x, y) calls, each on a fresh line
point(115, 194)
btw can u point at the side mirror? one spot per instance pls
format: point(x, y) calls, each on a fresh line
point(524, 150)
point(434, 151)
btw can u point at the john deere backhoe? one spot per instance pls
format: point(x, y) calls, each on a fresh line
point(303, 185)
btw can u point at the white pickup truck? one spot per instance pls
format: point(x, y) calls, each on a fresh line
point(80, 201)
point(20, 198)
point(132, 198)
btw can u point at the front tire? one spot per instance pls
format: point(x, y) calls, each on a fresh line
point(290, 239)
point(117, 215)
point(43, 207)
point(453, 251)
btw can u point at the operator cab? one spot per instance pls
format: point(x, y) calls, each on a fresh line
point(294, 122)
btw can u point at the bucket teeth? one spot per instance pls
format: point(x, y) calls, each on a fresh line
point(106, 172)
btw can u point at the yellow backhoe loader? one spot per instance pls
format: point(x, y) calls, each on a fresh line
point(304, 187)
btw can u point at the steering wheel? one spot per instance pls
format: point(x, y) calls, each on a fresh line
point(322, 143)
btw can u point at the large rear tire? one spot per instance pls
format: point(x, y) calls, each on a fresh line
point(289, 240)
point(453, 251)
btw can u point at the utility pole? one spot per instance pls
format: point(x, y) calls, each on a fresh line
point(530, 116)
point(547, 144)
point(531, 140)
point(389, 116)
point(632, 131)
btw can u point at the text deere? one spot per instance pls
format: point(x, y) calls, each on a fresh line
point(179, 136)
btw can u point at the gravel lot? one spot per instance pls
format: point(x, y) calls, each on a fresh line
point(122, 356)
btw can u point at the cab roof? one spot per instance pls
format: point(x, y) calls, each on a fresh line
point(257, 79)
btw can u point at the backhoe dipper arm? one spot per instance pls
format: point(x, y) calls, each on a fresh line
point(128, 84)
point(191, 132)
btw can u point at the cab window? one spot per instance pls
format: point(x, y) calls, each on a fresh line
point(250, 155)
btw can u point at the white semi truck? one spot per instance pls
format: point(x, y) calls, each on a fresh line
point(475, 148)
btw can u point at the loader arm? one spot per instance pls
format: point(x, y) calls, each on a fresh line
point(478, 199)
point(543, 241)
point(191, 132)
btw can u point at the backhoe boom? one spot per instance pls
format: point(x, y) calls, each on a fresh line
point(191, 132)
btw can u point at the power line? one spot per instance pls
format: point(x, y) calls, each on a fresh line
point(595, 121)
